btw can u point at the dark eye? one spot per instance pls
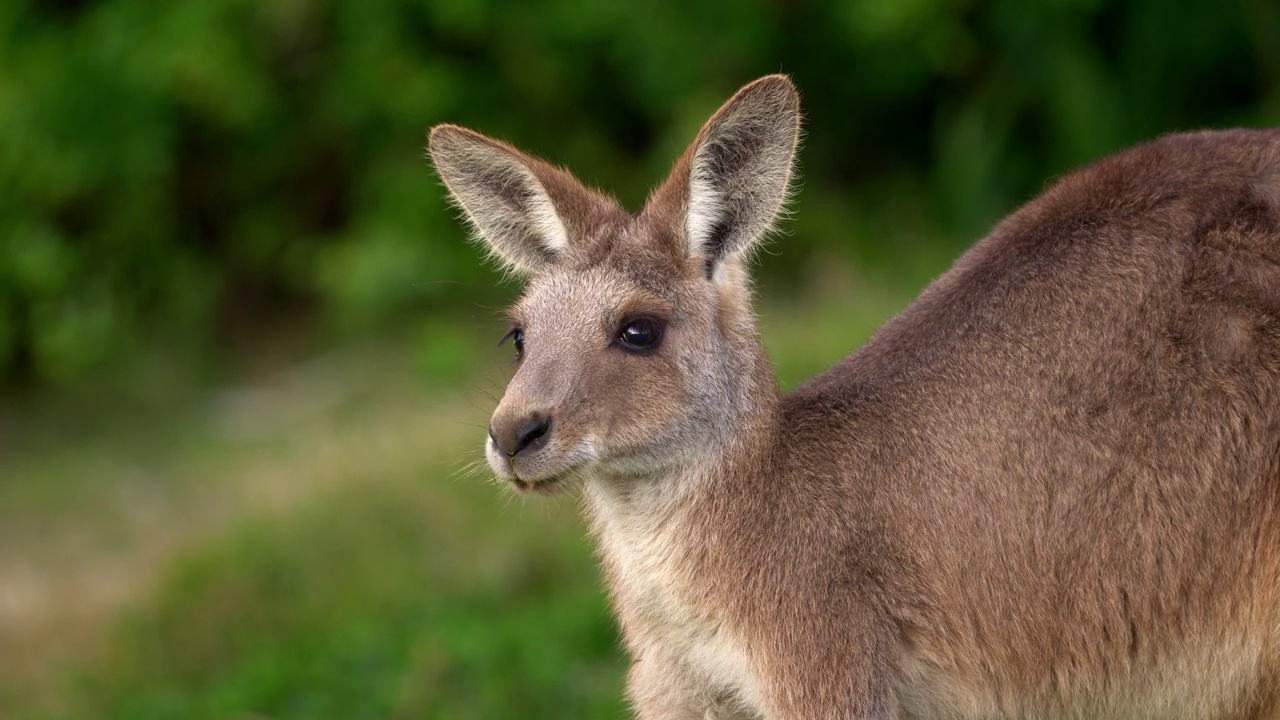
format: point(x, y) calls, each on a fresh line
point(640, 334)
point(517, 338)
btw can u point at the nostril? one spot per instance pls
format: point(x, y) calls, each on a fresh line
point(533, 435)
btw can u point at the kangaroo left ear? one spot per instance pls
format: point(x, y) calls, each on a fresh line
point(731, 184)
point(527, 212)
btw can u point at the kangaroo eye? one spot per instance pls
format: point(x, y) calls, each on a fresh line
point(517, 338)
point(640, 334)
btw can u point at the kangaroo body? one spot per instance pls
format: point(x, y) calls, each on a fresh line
point(1048, 488)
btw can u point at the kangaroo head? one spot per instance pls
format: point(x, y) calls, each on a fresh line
point(635, 349)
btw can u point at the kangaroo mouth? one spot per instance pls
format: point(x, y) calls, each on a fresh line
point(542, 473)
point(545, 476)
point(545, 486)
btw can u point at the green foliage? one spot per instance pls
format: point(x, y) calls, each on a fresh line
point(169, 168)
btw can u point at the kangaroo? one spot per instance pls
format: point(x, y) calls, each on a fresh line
point(1049, 488)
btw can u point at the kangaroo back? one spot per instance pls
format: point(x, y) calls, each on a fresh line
point(1074, 438)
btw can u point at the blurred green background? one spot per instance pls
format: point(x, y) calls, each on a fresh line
point(246, 353)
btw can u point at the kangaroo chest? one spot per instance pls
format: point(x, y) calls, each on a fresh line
point(658, 588)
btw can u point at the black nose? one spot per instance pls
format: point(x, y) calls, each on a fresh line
point(532, 435)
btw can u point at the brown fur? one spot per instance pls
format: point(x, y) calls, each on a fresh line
point(1049, 488)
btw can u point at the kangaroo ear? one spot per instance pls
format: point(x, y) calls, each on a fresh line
point(517, 204)
point(734, 177)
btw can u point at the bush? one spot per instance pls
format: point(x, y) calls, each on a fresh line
point(368, 605)
point(170, 168)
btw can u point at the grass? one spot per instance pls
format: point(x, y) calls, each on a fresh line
point(311, 547)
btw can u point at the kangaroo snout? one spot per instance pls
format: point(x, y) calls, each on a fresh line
point(518, 434)
point(520, 449)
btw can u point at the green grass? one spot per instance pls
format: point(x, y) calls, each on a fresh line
point(333, 562)
point(374, 603)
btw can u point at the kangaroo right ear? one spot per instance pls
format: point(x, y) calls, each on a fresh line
point(731, 184)
point(517, 204)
